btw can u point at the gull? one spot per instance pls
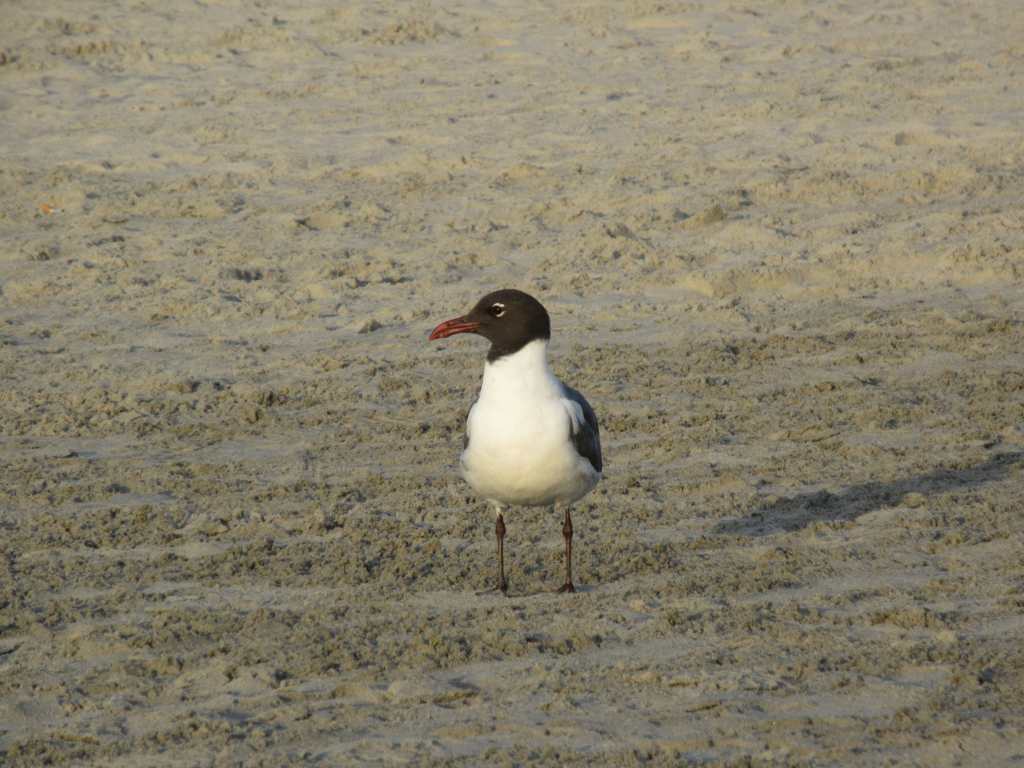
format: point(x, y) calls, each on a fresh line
point(530, 440)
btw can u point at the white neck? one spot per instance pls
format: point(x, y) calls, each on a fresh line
point(526, 370)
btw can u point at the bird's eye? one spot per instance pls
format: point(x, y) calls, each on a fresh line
point(498, 310)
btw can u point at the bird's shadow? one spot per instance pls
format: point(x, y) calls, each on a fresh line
point(807, 509)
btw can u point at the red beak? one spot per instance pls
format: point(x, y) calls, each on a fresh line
point(451, 327)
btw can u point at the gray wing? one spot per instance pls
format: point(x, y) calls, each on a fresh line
point(586, 436)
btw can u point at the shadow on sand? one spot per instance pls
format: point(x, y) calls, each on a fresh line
point(822, 506)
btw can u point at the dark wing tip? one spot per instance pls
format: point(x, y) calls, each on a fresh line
point(586, 436)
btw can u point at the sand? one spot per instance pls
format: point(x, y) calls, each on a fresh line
point(782, 248)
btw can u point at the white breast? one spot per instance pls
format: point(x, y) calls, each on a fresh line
point(519, 450)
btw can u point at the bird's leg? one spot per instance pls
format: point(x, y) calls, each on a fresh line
point(567, 533)
point(499, 529)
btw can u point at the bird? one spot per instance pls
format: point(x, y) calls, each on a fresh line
point(530, 440)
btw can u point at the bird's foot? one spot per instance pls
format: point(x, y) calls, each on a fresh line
point(501, 589)
point(565, 588)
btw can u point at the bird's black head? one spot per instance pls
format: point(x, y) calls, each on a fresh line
point(508, 318)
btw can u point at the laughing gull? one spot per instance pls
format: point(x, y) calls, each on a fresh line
point(530, 440)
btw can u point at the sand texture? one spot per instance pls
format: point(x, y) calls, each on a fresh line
point(782, 245)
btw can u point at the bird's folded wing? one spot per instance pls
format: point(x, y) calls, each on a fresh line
point(584, 432)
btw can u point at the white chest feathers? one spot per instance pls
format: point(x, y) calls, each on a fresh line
point(520, 450)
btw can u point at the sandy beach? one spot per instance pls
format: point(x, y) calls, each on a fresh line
point(782, 245)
